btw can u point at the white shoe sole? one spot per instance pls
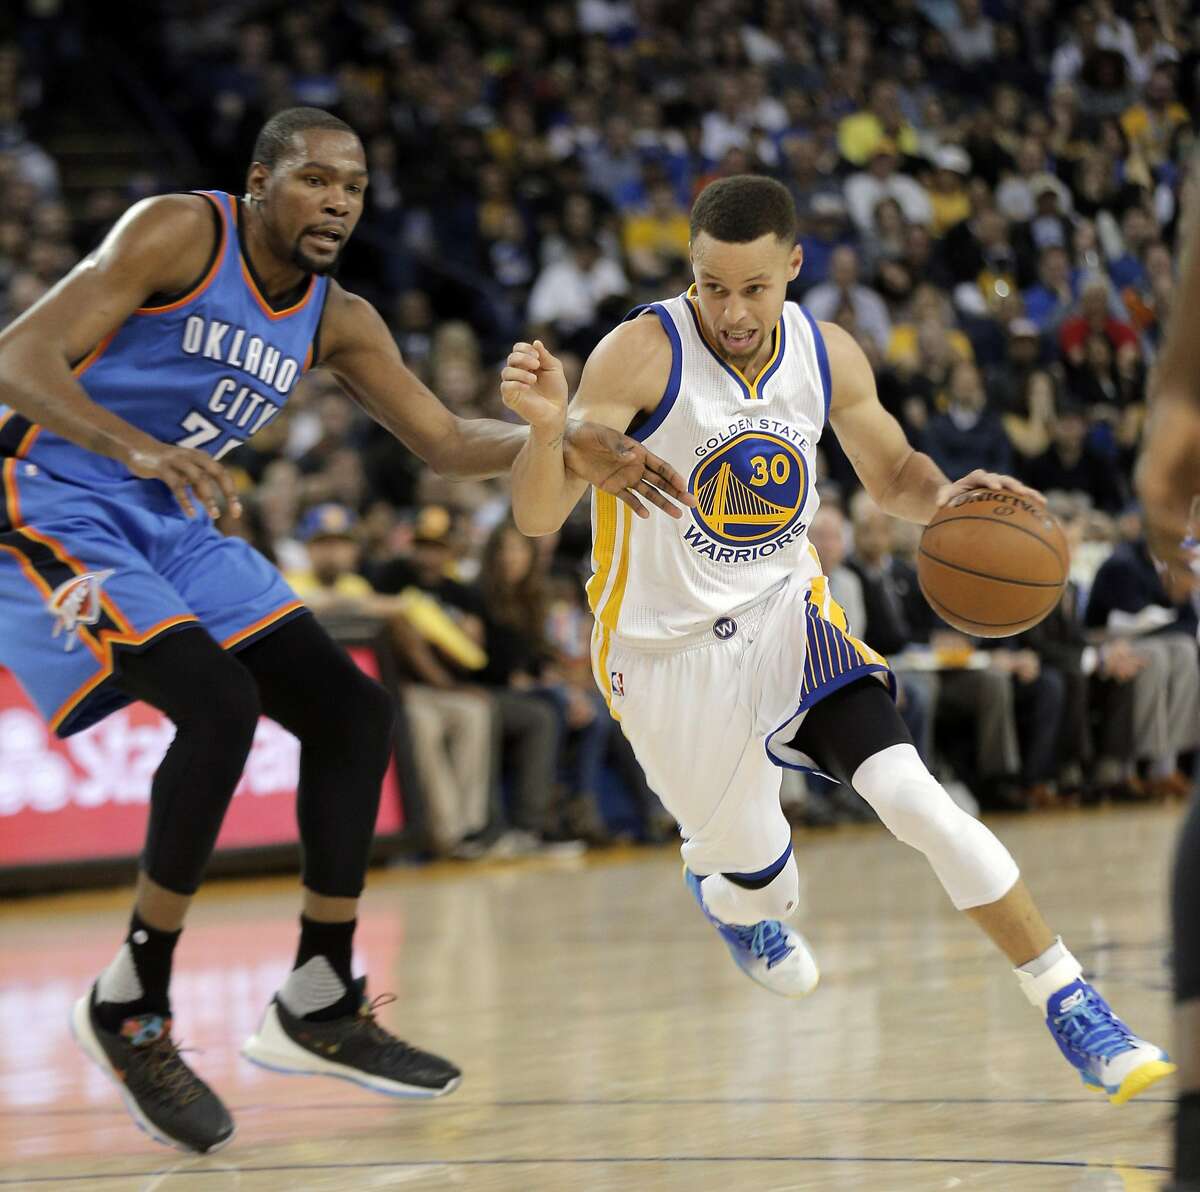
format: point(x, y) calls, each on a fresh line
point(81, 1028)
point(271, 1048)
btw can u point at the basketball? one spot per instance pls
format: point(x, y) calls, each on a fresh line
point(992, 563)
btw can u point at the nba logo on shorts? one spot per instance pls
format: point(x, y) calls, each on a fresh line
point(724, 627)
point(618, 682)
point(75, 603)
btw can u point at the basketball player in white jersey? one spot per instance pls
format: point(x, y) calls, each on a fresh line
point(717, 643)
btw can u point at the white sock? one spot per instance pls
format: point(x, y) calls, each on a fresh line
point(311, 987)
point(120, 981)
point(1046, 974)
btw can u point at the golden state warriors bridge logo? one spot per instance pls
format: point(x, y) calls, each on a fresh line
point(750, 490)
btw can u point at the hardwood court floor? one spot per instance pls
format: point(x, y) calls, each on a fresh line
point(608, 1042)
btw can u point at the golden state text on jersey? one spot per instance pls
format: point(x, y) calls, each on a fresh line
point(205, 369)
point(750, 486)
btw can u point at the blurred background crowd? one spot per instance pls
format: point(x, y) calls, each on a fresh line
point(989, 193)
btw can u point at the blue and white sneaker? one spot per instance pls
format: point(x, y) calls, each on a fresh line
point(770, 952)
point(1109, 1056)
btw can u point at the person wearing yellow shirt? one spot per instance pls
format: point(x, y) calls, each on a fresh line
point(1151, 124)
point(861, 131)
point(948, 193)
point(329, 533)
point(656, 237)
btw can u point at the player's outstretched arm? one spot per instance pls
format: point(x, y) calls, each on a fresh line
point(160, 245)
point(359, 350)
point(624, 377)
point(901, 480)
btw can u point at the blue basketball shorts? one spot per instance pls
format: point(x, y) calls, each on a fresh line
point(86, 572)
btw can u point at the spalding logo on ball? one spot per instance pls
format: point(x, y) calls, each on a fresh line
point(992, 563)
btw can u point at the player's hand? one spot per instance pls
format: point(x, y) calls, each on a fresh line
point(187, 473)
point(617, 464)
point(1167, 480)
point(534, 386)
point(993, 480)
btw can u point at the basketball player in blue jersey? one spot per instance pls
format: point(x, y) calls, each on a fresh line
point(718, 644)
point(175, 341)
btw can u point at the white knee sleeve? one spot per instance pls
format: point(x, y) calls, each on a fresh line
point(732, 903)
point(972, 865)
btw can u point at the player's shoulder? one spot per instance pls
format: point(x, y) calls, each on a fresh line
point(643, 334)
point(188, 216)
point(634, 358)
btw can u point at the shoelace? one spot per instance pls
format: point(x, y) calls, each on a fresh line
point(168, 1072)
point(1093, 1030)
point(766, 940)
point(366, 1021)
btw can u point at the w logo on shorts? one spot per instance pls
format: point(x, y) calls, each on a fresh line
point(76, 602)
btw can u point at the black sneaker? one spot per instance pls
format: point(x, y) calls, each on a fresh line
point(163, 1095)
point(354, 1047)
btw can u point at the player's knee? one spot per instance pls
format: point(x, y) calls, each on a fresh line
point(735, 904)
point(912, 804)
point(222, 702)
point(353, 710)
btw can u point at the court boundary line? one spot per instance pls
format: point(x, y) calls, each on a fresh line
point(591, 1160)
point(611, 1102)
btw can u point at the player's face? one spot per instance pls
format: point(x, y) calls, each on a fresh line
point(313, 198)
point(741, 290)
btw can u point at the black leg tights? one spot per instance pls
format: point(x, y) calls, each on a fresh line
point(298, 677)
point(344, 722)
point(212, 701)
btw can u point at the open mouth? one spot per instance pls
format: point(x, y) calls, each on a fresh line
point(738, 341)
point(327, 238)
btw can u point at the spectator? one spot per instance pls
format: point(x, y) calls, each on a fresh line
point(528, 739)
point(1071, 465)
point(1150, 125)
point(948, 197)
point(513, 595)
point(1127, 599)
point(1051, 300)
point(882, 180)
point(569, 295)
point(972, 37)
point(656, 238)
point(1029, 410)
point(968, 435)
point(843, 289)
point(1094, 317)
point(859, 133)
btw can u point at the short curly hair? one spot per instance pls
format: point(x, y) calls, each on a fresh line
point(744, 207)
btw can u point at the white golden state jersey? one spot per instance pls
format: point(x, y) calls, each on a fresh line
point(748, 449)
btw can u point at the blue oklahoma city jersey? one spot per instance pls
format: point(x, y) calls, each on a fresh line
point(207, 371)
point(93, 560)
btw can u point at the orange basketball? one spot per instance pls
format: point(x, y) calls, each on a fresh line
point(992, 563)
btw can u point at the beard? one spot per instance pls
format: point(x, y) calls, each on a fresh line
point(302, 260)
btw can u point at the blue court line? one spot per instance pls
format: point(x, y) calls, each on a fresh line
point(616, 1103)
point(418, 1164)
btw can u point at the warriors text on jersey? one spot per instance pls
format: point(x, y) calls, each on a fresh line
point(205, 369)
point(748, 449)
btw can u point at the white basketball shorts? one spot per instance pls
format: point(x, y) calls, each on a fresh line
point(710, 720)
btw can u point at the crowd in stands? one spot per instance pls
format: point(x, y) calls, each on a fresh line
point(989, 194)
